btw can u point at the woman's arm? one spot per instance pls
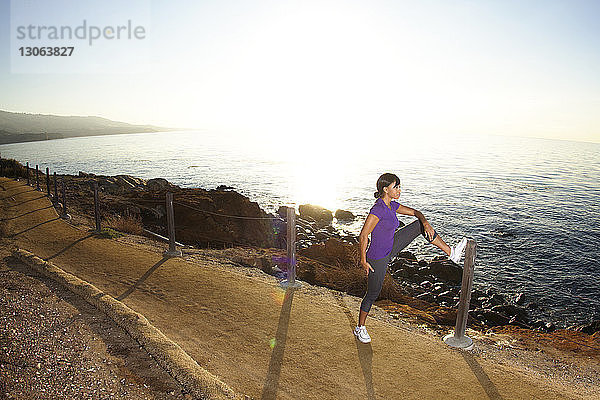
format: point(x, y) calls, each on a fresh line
point(363, 238)
point(415, 213)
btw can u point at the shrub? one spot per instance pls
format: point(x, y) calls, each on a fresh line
point(127, 224)
point(108, 233)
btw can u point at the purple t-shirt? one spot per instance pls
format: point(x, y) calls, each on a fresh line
point(382, 237)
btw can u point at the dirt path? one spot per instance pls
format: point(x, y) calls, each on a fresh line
point(262, 341)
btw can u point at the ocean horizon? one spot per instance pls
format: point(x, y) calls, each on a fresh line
point(531, 204)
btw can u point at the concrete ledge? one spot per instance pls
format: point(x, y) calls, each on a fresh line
point(194, 379)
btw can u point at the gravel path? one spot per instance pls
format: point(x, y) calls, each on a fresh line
point(54, 345)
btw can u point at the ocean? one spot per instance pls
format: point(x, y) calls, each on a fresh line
point(532, 205)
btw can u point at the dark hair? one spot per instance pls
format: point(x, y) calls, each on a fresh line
point(385, 180)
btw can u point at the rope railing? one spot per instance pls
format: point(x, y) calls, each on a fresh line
point(168, 202)
point(230, 216)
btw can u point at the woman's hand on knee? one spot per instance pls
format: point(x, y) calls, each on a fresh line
point(366, 266)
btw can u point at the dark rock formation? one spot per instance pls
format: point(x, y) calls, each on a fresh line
point(342, 215)
point(158, 185)
point(202, 217)
point(318, 214)
point(333, 252)
point(208, 218)
point(590, 328)
point(224, 187)
point(446, 271)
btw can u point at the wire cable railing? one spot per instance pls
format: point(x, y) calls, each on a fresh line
point(230, 216)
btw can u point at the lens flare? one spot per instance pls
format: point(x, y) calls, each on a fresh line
point(278, 295)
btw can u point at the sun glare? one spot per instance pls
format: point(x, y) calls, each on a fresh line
point(321, 177)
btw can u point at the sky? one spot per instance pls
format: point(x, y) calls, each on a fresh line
point(326, 70)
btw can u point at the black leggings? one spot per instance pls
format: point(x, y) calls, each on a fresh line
point(402, 238)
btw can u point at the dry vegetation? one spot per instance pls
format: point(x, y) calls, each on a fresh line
point(126, 224)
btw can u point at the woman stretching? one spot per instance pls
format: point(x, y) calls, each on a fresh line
point(387, 242)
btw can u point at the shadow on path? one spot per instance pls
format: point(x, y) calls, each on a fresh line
point(27, 213)
point(26, 201)
point(68, 247)
point(33, 227)
point(272, 380)
point(143, 278)
point(16, 194)
point(365, 352)
point(484, 380)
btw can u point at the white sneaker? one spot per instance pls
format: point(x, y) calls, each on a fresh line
point(361, 334)
point(457, 251)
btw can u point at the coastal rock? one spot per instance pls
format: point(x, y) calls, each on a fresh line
point(282, 211)
point(343, 215)
point(158, 185)
point(510, 310)
point(496, 300)
point(322, 235)
point(401, 274)
point(447, 296)
point(520, 299)
point(428, 297)
point(492, 318)
point(549, 327)
point(590, 329)
point(333, 252)
point(224, 187)
point(446, 271)
point(406, 255)
point(207, 218)
point(319, 214)
point(426, 284)
point(119, 184)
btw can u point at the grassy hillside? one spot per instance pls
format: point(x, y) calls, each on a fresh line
point(22, 127)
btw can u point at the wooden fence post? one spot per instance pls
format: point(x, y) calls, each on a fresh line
point(290, 282)
point(96, 207)
point(172, 252)
point(458, 338)
point(64, 199)
point(48, 180)
point(55, 189)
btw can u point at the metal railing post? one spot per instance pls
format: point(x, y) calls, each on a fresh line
point(37, 180)
point(291, 250)
point(172, 252)
point(1, 166)
point(96, 207)
point(48, 180)
point(27, 168)
point(64, 199)
point(458, 338)
point(55, 189)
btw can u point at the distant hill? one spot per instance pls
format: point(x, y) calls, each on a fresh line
point(22, 127)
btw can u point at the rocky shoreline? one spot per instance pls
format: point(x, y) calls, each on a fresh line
point(224, 219)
